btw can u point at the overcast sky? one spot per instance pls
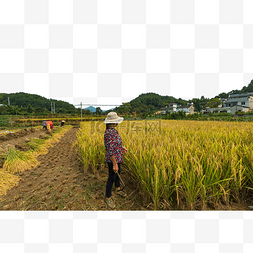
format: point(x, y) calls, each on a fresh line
point(109, 52)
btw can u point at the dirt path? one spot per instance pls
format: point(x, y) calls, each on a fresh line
point(59, 183)
point(19, 137)
point(16, 139)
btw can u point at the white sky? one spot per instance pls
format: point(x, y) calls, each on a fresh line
point(111, 52)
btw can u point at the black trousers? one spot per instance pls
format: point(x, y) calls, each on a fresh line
point(113, 178)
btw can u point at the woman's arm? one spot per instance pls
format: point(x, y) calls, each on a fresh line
point(124, 149)
point(115, 165)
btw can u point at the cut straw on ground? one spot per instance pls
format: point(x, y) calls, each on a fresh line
point(7, 181)
point(17, 161)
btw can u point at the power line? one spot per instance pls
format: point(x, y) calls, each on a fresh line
point(96, 105)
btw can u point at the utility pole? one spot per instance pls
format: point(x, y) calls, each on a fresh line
point(8, 101)
point(81, 112)
point(54, 107)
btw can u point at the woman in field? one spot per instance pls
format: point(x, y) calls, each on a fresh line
point(114, 155)
point(44, 124)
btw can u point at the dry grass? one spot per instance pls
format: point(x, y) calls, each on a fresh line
point(7, 181)
point(17, 161)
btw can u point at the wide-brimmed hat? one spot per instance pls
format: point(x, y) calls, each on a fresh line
point(112, 117)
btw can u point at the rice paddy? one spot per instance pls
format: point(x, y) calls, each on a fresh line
point(180, 164)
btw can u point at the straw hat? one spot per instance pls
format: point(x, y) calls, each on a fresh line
point(112, 117)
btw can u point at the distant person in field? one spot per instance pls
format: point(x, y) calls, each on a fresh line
point(51, 126)
point(114, 156)
point(44, 124)
point(62, 123)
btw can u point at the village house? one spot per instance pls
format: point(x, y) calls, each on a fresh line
point(234, 103)
point(158, 113)
point(233, 109)
point(240, 99)
point(173, 107)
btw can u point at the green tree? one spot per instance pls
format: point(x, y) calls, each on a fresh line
point(61, 110)
point(126, 108)
point(98, 111)
point(222, 95)
point(196, 104)
point(15, 109)
point(213, 103)
point(86, 112)
point(3, 110)
point(30, 109)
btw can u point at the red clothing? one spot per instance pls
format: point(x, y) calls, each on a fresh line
point(113, 145)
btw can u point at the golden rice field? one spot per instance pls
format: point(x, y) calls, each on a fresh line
point(180, 164)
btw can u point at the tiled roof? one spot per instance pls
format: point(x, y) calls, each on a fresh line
point(231, 100)
point(226, 108)
point(240, 106)
point(220, 108)
point(242, 95)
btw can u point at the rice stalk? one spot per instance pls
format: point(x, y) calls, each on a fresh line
point(18, 161)
point(194, 163)
point(7, 181)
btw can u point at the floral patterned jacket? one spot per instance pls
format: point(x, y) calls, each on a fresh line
point(113, 145)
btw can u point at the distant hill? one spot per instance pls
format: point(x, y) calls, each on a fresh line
point(22, 99)
point(148, 102)
point(151, 102)
point(145, 103)
point(245, 89)
point(91, 108)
